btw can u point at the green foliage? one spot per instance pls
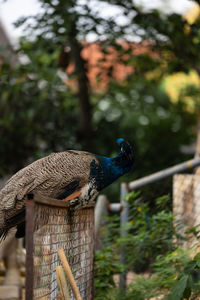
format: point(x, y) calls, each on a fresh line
point(148, 119)
point(106, 266)
point(144, 112)
point(175, 277)
point(150, 245)
point(149, 234)
point(188, 282)
point(36, 112)
point(48, 113)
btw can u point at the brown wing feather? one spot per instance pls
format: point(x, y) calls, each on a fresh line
point(48, 176)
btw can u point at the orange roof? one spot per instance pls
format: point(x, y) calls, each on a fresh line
point(104, 67)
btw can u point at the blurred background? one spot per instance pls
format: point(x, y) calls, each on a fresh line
point(79, 74)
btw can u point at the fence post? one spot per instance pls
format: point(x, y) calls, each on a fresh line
point(123, 232)
point(50, 226)
point(30, 207)
point(101, 211)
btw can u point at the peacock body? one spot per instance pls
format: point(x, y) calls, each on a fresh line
point(74, 176)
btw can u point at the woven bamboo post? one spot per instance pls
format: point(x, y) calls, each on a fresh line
point(186, 194)
point(51, 225)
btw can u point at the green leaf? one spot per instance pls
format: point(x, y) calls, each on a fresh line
point(178, 289)
point(197, 257)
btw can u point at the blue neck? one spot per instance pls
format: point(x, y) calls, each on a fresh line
point(113, 168)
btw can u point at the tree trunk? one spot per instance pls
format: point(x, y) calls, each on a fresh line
point(85, 130)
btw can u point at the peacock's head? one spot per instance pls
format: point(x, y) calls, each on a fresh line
point(113, 168)
point(125, 154)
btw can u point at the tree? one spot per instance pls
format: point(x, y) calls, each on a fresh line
point(137, 109)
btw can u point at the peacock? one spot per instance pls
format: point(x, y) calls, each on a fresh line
point(74, 176)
